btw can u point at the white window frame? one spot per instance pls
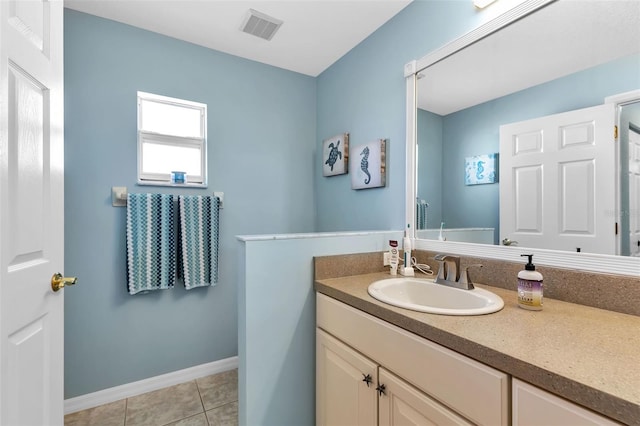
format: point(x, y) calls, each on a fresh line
point(164, 179)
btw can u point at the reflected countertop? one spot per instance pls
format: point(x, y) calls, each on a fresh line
point(587, 355)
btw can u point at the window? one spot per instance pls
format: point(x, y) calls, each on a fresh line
point(172, 136)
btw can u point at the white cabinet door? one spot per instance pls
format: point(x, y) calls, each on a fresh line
point(556, 179)
point(402, 404)
point(535, 407)
point(31, 212)
point(344, 396)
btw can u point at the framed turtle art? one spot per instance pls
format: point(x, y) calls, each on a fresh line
point(335, 155)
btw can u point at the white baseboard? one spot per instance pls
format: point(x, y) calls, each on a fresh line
point(128, 390)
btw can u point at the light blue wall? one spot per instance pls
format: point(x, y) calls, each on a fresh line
point(364, 94)
point(429, 153)
point(262, 129)
point(277, 326)
point(475, 131)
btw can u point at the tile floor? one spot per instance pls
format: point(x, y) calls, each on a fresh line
point(210, 401)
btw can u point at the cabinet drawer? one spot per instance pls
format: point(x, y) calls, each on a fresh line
point(478, 392)
point(533, 406)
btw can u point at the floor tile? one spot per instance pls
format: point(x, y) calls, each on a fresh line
point(197, 420)
point(219, 389)
point(111, 414)
point(225, 415)
point(164, 406)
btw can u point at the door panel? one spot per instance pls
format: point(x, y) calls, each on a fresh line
point(577, 202)
point(528, 199)
point(26, 173)
point(29, 20)
point(31, 212)
point(27, 349)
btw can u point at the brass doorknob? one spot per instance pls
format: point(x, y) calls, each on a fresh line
point(58, 281)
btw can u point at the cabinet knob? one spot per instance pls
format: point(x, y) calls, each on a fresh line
point(367, 379)
point(381, 390)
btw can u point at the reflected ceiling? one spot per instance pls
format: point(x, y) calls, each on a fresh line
point(509, 61)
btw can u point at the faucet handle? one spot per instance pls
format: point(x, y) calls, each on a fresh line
point(443, 268)
point(452, 266)
point(465, 278)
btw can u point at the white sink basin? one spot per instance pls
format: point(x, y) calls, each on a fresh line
point(423, 295)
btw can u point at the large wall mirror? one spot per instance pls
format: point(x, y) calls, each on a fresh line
point(511, 144)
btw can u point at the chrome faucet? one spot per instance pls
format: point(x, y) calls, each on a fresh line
point(449, 272)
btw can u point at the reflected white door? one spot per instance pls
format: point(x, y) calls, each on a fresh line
point(31, 212)
point(634, 193)
point(557, 180)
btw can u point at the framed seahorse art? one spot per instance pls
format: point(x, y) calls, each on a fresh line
point(368, 165)
point(481, 169)
point(335, 155)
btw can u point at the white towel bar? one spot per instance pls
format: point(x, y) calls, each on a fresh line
point(119, 196)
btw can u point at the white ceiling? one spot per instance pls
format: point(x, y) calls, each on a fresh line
point(314, 35)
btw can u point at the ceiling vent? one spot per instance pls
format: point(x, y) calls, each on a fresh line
point(260, 25)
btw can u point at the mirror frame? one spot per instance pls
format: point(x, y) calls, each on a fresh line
point(611, 264)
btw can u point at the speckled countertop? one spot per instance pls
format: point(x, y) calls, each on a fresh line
point(587, 355)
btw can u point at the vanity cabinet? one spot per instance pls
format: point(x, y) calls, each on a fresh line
point(354, 390)
point(533, 406)
point(423, 382)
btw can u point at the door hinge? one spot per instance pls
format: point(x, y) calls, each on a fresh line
point(616, 228)
point(615, 132)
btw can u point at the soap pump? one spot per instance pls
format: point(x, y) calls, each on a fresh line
point(530, 286)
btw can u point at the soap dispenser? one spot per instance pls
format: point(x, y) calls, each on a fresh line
point(530, 286)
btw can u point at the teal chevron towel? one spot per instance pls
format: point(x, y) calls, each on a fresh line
point(151, 254)
point(199, 220)
point(421, 214)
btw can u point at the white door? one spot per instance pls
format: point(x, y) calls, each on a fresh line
point(31, 212)
point(402, 404)
point(345, 385)
point(634, 193)
point(557, 180)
